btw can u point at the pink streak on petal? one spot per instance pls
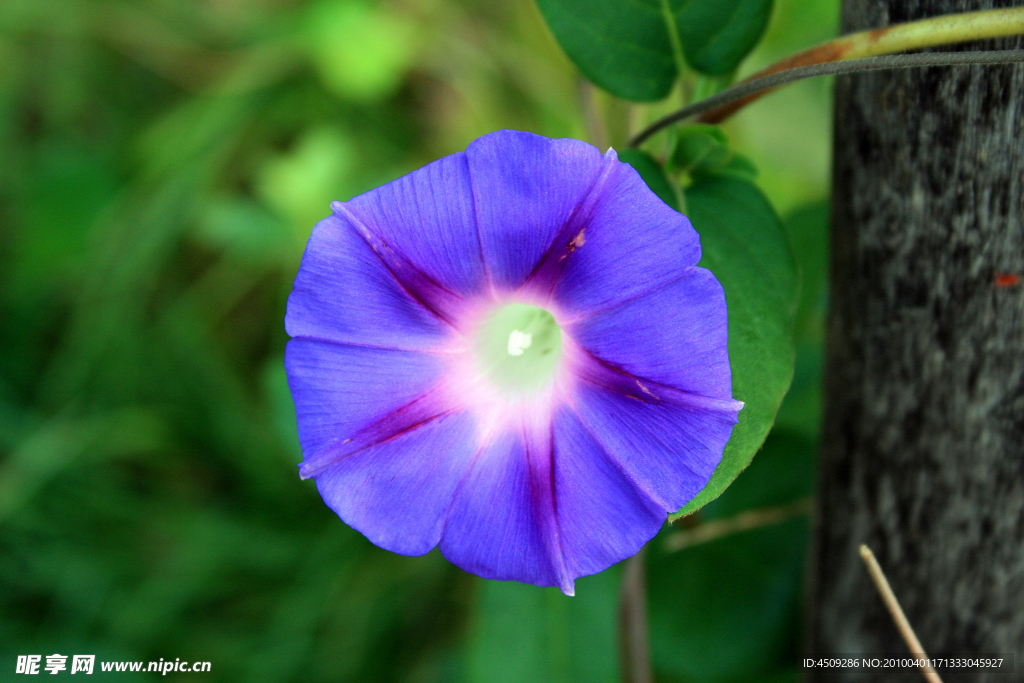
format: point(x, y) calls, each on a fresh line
point(435, 298)
point(546, 273)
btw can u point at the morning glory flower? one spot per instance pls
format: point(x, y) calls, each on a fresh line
point(509, 353)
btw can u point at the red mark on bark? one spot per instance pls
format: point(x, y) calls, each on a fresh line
point(1007, 280)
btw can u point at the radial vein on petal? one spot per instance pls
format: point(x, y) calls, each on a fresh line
point(378, 244)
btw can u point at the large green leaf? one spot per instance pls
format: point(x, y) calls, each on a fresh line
point(525, 633)
point(622, 46)
point(629, 47)
point(808, 233)
point(745, 246)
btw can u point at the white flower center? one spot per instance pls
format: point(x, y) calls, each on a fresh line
point(519, 342)
point(518, 348)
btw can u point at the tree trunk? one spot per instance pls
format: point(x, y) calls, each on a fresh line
point(923, 446)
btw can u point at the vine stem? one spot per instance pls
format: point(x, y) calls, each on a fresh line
point(634, 648)
point(742, 91)
point(947, 29)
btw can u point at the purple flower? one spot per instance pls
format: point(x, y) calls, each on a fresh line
point(510, 353)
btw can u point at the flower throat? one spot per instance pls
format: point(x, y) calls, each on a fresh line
point(518, 348)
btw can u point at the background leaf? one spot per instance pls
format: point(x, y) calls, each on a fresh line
point(627, 47)
point(746, 247)
point(361, 50)
point(556, 639)
point(717, 615)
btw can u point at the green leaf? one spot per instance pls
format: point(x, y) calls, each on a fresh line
point(627, 47)
point(699, 144)
point(623, 47)
point(808, 233)
point(704, 150)
point(745, 246)
point(782, 474)
point(525, 633)
point(652, 173)
point(717, 34)
point(700, 147)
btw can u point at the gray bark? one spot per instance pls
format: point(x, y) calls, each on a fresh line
point(923, 442)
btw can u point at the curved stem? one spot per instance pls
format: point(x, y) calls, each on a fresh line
point(744, 521)
point(748, 90)
point(950, 28)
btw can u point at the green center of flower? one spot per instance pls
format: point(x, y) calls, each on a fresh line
point(518, 348)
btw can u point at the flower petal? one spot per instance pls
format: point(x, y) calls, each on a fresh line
point(623, 242)
point(344, 293)
point(668, 445)
point(397, 492)
point(342, 392)
point(502, 521)
point(603, 516)
point(675, 336)
point(526, 189)
point(426, 221)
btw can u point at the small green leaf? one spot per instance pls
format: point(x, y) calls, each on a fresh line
point(745, 246)
point(525, 633)
point(700, 146)
point(702, 150)
point(299, 185)
point(717, 34)
point(652, 173)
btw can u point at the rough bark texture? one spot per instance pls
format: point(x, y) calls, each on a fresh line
point(923, 449)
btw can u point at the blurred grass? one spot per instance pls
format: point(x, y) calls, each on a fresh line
point(161, 165)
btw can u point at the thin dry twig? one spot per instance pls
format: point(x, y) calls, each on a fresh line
point(751, 519)
point(897, 614)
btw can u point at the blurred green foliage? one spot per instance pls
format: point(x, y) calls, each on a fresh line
point(161, 165)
